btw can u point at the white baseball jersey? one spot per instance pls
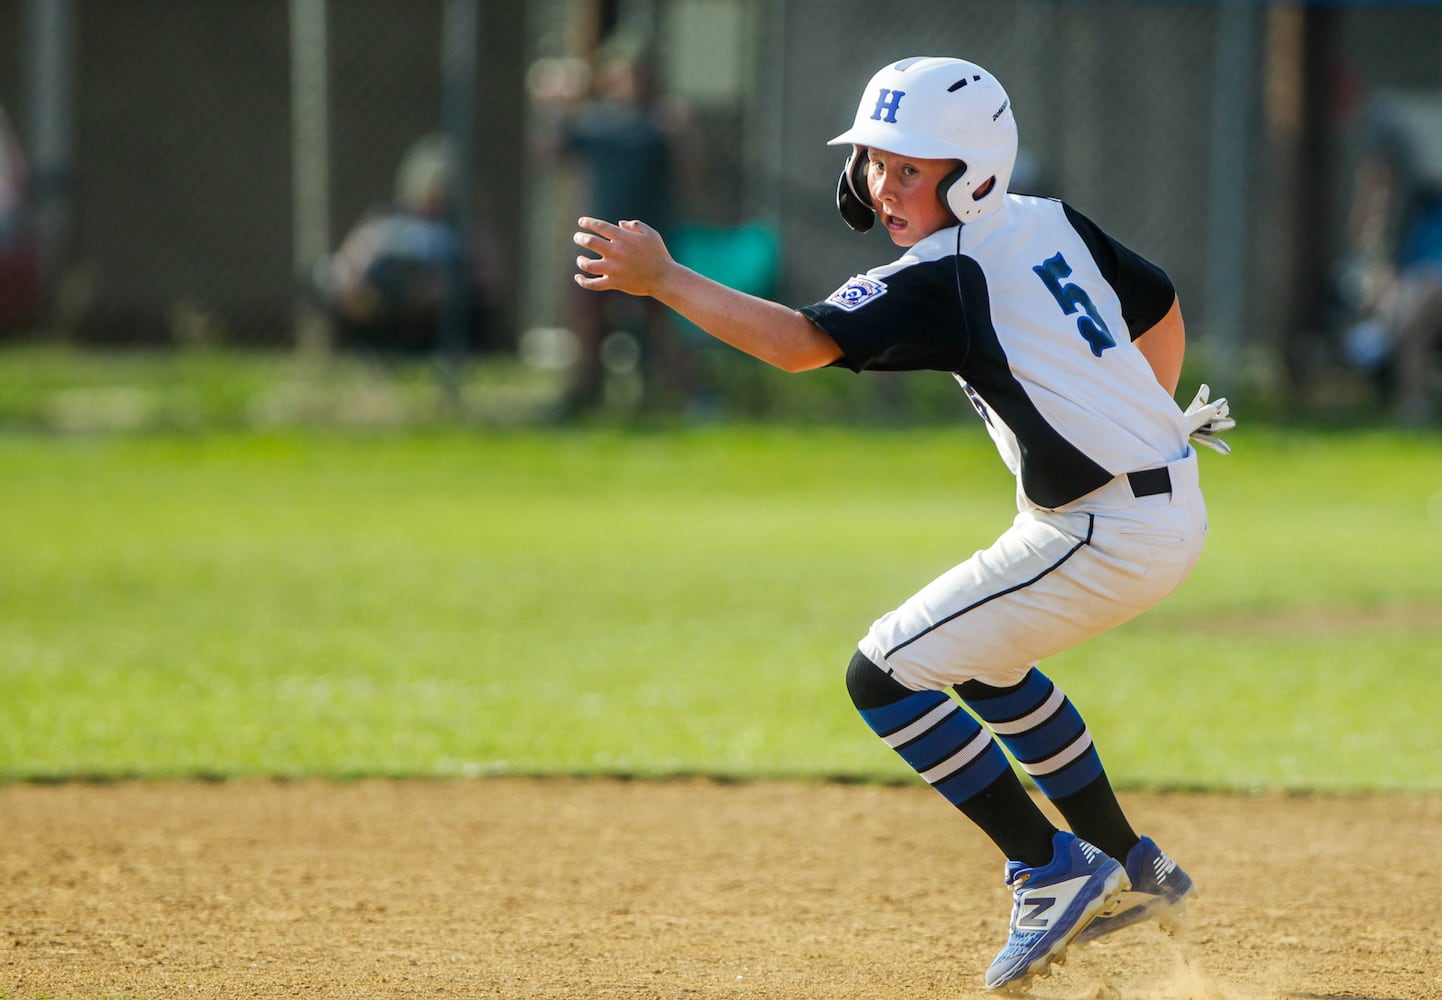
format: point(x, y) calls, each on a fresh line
point(1033, 309)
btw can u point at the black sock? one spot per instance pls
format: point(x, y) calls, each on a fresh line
point(1007, 815)
point(1096, 817)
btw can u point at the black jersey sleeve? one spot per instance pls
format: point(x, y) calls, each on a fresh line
point(909, 319)
point(1145, 290)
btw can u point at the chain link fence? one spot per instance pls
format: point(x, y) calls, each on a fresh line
point(169, 171)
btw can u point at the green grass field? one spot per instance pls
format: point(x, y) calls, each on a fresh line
point(455, 602)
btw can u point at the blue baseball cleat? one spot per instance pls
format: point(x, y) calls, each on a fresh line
point(1159, 889)
point(1052, 905)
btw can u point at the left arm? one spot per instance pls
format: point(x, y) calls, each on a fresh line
point(1164, 346)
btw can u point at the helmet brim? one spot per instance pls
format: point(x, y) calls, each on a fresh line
point(874, 138)
point(886, 138)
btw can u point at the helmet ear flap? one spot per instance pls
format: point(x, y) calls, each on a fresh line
point(853, 198)
point(953, 194)
point(962, 199)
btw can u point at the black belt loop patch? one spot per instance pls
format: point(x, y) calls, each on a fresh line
point(1150, 482)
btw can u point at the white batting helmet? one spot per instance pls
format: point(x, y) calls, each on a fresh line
point(932, 108)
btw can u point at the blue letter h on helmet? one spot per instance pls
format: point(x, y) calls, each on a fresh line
point(887, 101)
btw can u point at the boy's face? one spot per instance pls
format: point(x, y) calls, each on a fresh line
point(903, 191)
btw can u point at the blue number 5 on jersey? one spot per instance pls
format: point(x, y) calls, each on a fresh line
point(1072, 297)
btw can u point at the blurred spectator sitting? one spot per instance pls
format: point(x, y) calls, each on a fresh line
point(20, 268)
point(385, 287)
point(1394, 279)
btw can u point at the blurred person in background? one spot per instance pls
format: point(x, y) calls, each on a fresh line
point(20, 285)
point(626, 144)
point(385, 287)
point(1394, 271)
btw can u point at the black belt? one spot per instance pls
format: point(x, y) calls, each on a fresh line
point(1150, 482)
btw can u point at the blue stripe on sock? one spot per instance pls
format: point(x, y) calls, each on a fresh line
point(900, 714)
point(1026, 697)
point(939, 744)
point(1072, 778)
point(1054, 736)
point(975, 777)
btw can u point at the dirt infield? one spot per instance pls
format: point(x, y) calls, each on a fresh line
point(578, 889)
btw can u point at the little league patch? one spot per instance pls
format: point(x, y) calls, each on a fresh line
point(856, 293)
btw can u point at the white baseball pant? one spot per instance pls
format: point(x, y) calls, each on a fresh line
point(1054, 579)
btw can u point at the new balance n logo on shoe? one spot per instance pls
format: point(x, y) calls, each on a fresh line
point(1163, 866)
point(1034, 921)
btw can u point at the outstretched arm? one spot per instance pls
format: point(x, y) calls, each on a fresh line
point(632, 258)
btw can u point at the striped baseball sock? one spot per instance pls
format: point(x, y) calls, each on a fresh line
point(957, 757)
point(942, 743)
point(1041, 728)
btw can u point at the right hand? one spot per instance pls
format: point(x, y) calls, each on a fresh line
point(1206, 420)
point(632, 257)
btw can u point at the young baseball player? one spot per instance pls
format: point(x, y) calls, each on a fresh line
point(1069, 346)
